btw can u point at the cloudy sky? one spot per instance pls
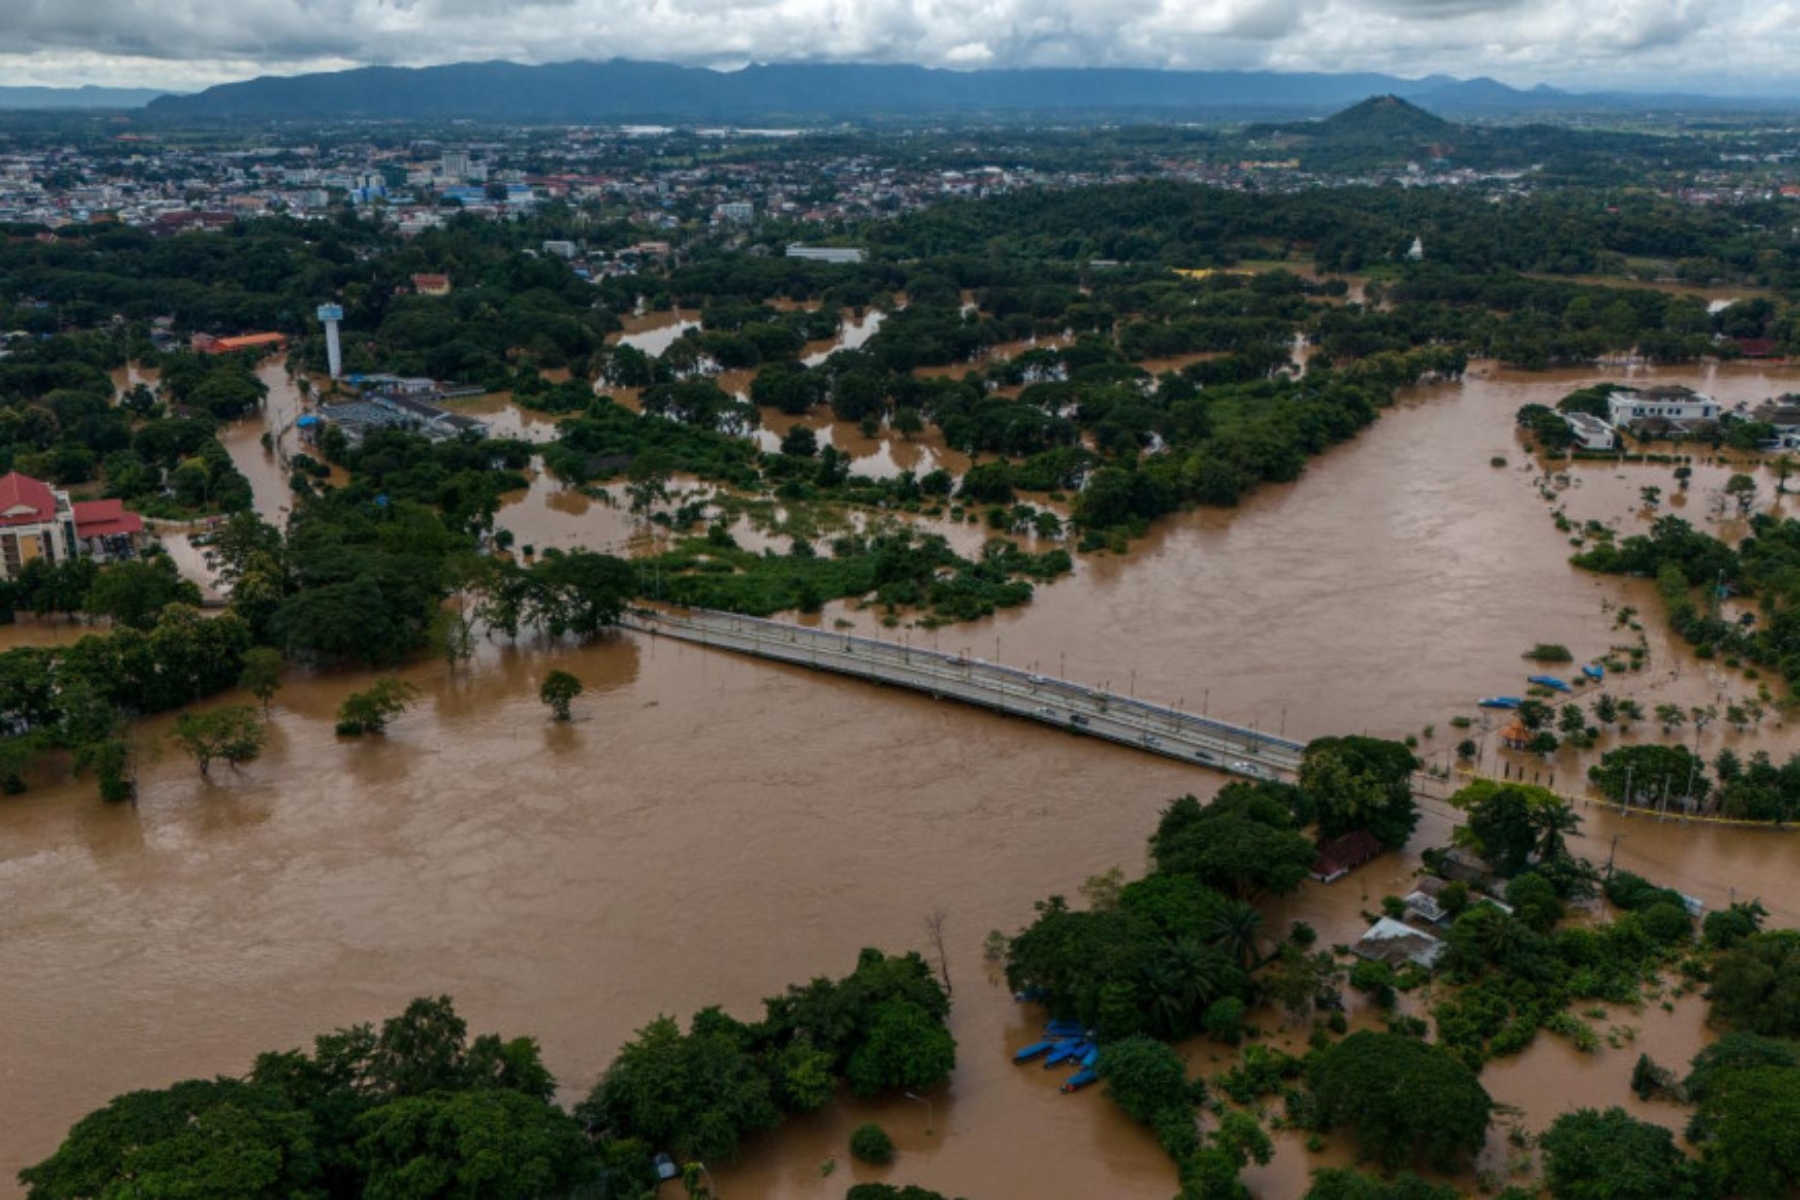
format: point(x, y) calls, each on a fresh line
point(1710, 45)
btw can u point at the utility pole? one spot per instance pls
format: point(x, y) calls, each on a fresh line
point(930, 1111)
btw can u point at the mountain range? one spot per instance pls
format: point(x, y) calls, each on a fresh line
point(77, 97)
point(627, 91)
point(622, 90)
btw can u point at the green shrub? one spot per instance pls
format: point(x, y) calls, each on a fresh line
point(1224, 1020)
point(1376, 979)
point(871, 1144)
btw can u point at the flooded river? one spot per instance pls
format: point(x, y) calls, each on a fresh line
point(711, 829)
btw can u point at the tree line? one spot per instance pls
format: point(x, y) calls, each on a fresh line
point(418, 1108)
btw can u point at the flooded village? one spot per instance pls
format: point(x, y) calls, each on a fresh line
point(1394, 584)
point(1248, 660)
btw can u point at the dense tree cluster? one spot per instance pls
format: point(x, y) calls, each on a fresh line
point(1756, 985)
point(414, 1109)
point(1518, 971)
point(1746, 1090)
point(1563, 231)
point(1401, 1098)
point(158, 451)
point(881, 1028)
point(78, 697)
point(1761, 568)
point(1611, 1155)
point(418, 1108)
point(1361, 783)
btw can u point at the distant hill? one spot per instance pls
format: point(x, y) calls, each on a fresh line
point(1384, 118)
point(1379, 132)
point(81, 97)
point(622, 90)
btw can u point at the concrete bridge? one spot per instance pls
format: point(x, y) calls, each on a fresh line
point(1139, 724)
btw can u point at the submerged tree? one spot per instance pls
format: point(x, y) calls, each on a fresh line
point(559, 690)
point(231, 733)
point(369, 711)
point(263, 667)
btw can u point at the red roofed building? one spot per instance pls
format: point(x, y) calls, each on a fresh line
point(205, 343)
point(431, 285)
point(35, 522)
point(106, 532)
point(1342, 855)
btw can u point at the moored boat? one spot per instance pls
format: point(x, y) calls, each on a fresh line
point(1500, 702)
point(1549, 681)
point(1032, 1051)
point(1080, 1079)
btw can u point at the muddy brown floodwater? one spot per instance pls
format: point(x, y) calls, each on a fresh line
point(711, 829)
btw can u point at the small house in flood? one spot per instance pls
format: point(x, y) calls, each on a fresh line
point(1396, 943)
point(1514, 736)
point(1342, 855)
point(1591, 433)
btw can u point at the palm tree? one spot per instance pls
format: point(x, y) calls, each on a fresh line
point(1501, 937)
point(1549, 823)
point(1184, 979)
point(1235, 930)
point(1165, 997)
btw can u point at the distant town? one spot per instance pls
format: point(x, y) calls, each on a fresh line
point(668, 179)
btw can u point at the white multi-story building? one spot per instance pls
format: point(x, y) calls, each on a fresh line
point(1671, 403)
point(35, 522)
point(1590, 431)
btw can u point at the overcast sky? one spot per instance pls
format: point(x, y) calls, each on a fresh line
point(1711, 45)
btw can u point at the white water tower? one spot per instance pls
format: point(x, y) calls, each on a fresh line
point(331, 314)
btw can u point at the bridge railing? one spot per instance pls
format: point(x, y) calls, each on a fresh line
point(848, 652)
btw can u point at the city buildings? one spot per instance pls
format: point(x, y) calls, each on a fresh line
point(36, 521)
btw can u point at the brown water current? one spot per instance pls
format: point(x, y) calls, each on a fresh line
point(710, 828)
point(655, 332)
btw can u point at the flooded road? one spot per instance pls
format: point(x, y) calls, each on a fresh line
point(711, 829)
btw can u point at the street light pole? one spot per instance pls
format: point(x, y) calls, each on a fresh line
point(930, 1111)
